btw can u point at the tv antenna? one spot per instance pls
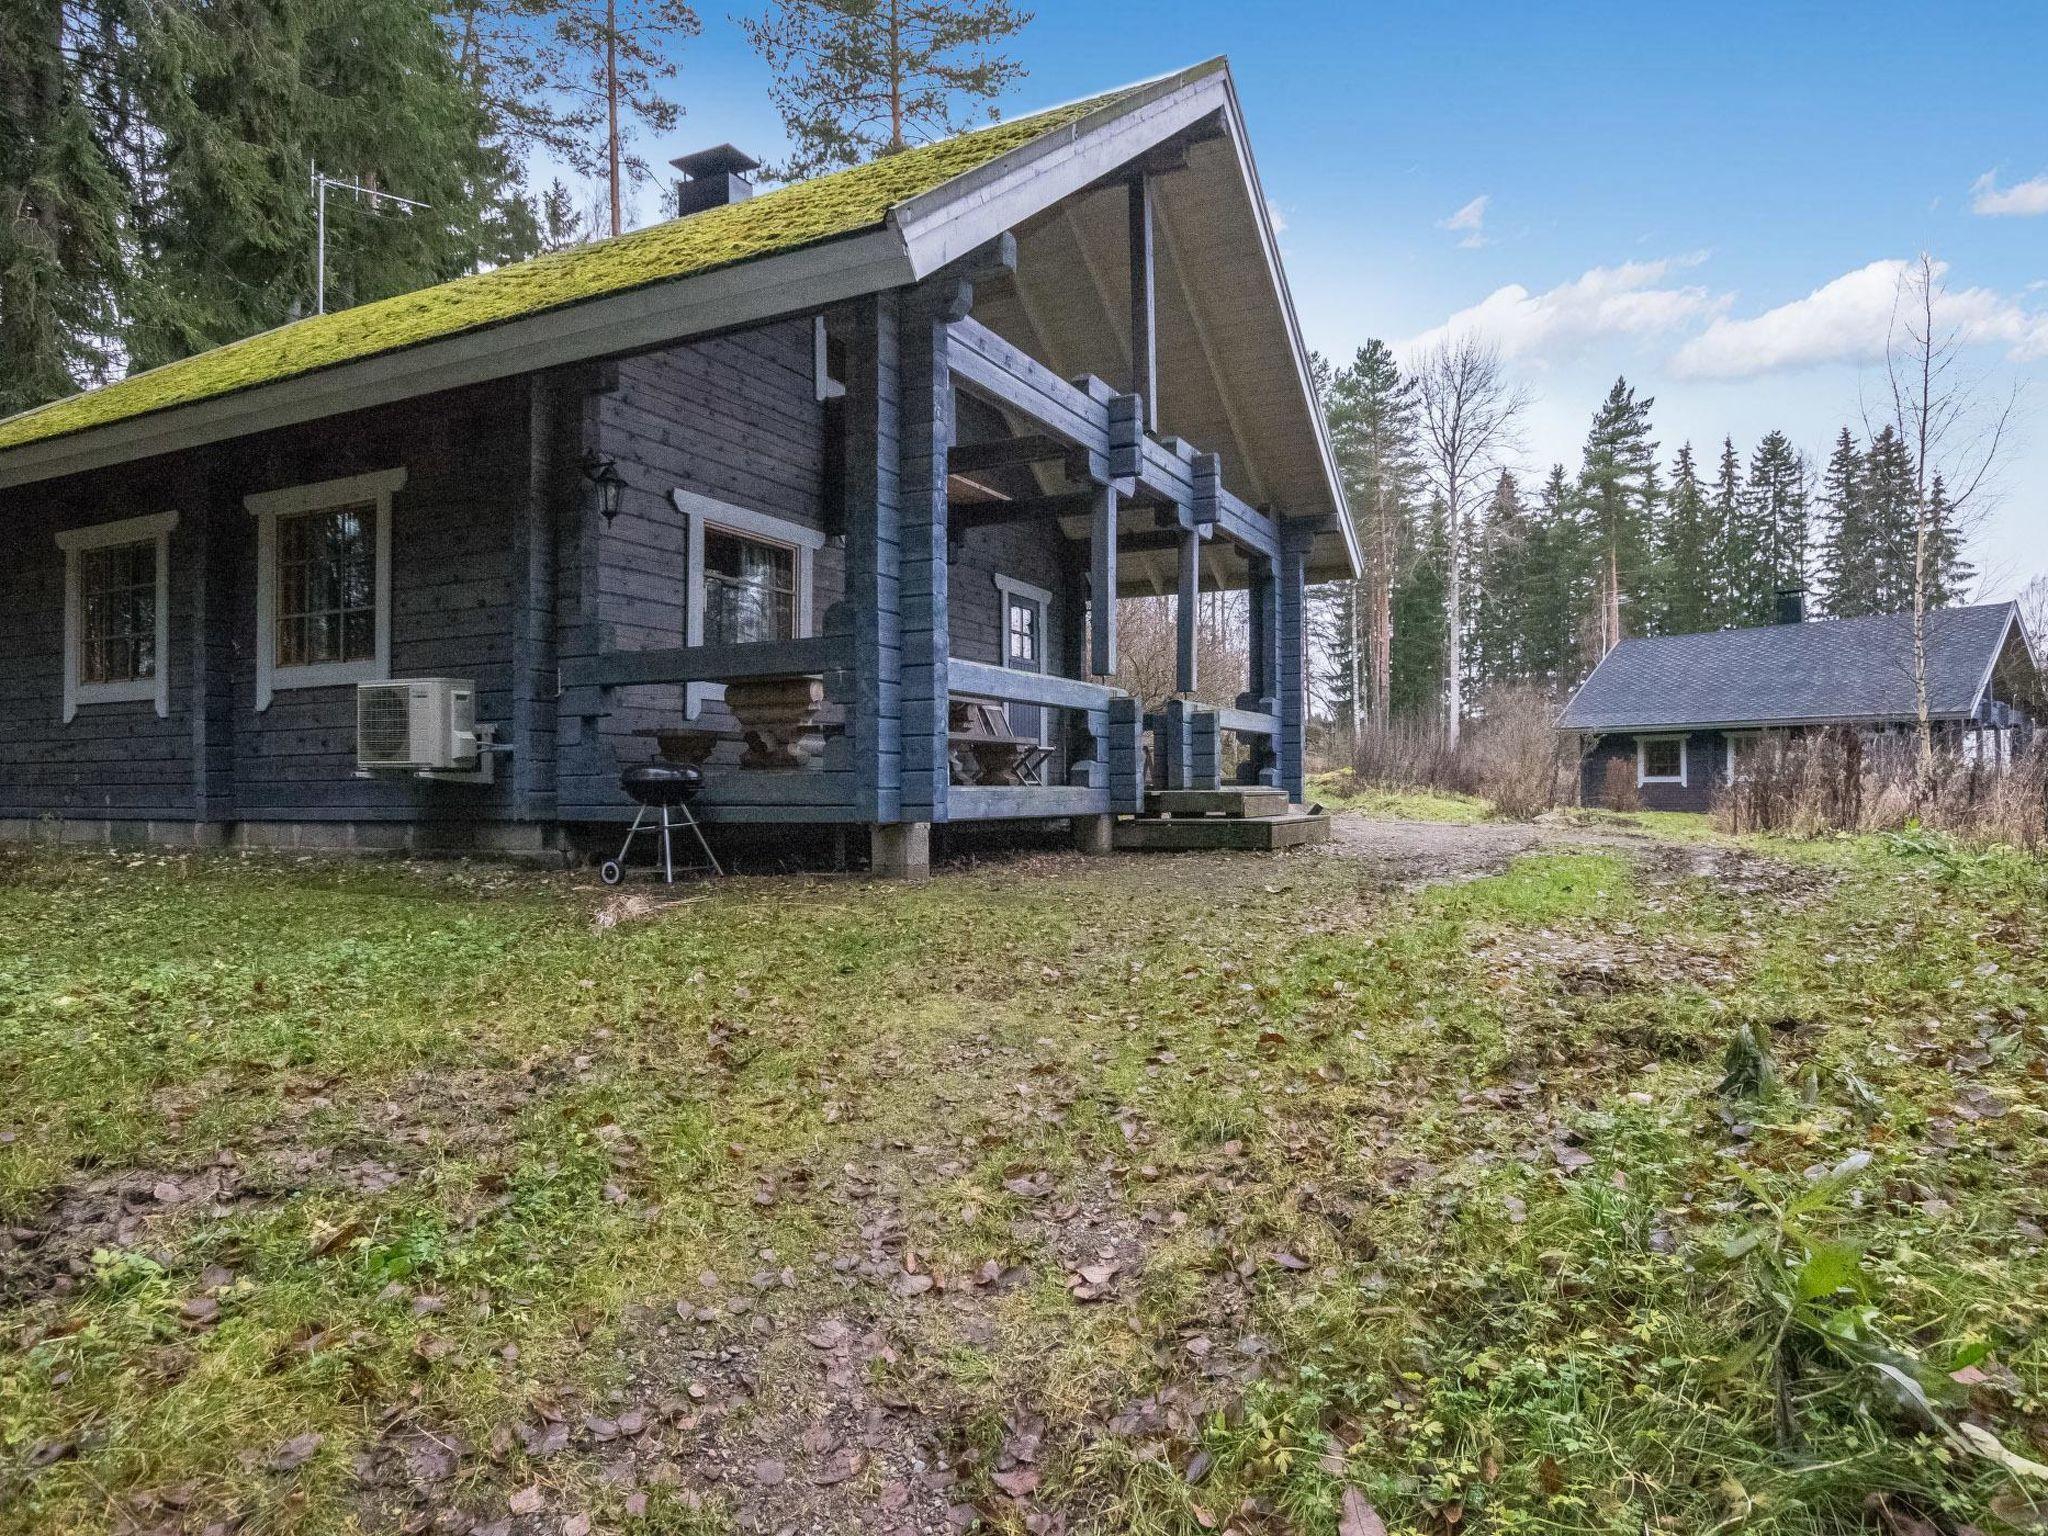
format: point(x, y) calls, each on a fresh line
point(320, 185)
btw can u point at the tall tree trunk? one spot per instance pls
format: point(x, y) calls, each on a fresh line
point(611, 98)
point(1454, 619)
point(895, 75)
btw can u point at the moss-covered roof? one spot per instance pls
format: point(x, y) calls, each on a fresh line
point(786, 219)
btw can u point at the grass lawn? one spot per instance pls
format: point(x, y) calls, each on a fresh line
point(1679, 1188)
point(1340, 790)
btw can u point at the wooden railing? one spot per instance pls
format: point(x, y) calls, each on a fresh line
point(1087, 792)
point(1101, 425)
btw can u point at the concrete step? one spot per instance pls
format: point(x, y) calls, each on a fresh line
point(1293, 829)
point(1232, 800)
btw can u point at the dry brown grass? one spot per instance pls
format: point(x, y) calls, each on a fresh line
point(1838, 782)
point(1510, 754)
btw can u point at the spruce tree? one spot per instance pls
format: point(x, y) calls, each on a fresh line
point(63, 197)
point(1687, 552)
point(1768, 549)
point(365, 89)
point(1890, 521)
point(1421, 628)
point(1500, 581)
point(1618, 496)
point(1557, 648)
point(1949, 574)
point(1729, 560)
point(1847, 567)
point(1370, 408)
point(859, 78)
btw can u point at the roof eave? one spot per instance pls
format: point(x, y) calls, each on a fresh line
point(746, 293)
point(1610, 728)
point(959, 216)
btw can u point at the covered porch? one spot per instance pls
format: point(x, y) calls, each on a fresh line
point(956, 433)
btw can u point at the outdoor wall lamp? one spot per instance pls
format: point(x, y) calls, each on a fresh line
point(604, 476)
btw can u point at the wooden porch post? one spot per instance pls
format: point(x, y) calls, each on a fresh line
point(927, 423)
point(871, 611)
point(1144, 307)
point(1102, 582)
point(1291, 681)
point(1186, 609)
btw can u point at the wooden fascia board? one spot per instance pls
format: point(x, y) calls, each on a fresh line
point(946, 223)
point(660, 313)
point(1269, 246)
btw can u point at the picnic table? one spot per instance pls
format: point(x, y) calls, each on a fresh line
point(984, 750)
point(780, 720)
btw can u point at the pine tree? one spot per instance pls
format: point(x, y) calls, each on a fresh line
point(625, 49)
point(859, 78)
point(1370, 408)
point(1619, 497)
point(518, 70)
point(1847, 569)
point(1687, 552)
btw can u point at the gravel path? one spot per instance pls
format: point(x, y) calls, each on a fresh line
point(1426, 852)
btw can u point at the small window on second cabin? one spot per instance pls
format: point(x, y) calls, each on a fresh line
point(1662, 760)
point(749, 589)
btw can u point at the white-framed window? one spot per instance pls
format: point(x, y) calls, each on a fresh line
point(117, 612)
point(1026, 610)
point(1740, 749)
point(750, 579)
point(323, 583)
point(1660, 760)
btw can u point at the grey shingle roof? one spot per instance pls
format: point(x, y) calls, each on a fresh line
point(1781, 674)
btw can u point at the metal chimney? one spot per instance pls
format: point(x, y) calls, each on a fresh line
point(712, 178)
point(1792, 606)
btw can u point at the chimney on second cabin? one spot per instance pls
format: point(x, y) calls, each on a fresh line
point(712, 178)
point(1792, 606)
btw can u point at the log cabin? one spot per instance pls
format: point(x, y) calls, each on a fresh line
point(828, 490)
point(1666, 721)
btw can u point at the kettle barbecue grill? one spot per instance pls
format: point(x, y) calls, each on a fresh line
point(666, 788)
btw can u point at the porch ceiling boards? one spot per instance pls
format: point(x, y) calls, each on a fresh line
point(1223, 329)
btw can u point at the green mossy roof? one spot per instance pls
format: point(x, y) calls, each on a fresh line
point(806, 213)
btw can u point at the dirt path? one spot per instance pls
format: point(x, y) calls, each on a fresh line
point(1429, 852)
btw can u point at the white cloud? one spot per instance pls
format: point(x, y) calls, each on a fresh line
point(1276, 217)
point(1632, 299)
point(1848, 320)
point(2023, 198)
point(1469, 221)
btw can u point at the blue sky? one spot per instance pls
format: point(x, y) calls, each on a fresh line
point(1692, 196)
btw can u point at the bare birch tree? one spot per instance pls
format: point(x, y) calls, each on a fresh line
point(1955, 433)
point(2034, 611)
point(1468, 421)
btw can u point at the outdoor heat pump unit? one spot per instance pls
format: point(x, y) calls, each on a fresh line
point(423, 725)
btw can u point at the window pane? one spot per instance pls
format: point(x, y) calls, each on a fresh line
point(117, 613)
point(327, 586)
point(1023, 627)
point(749, 590)
point(1661, 759)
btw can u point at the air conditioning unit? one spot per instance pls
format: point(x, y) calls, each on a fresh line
point(416, 725)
